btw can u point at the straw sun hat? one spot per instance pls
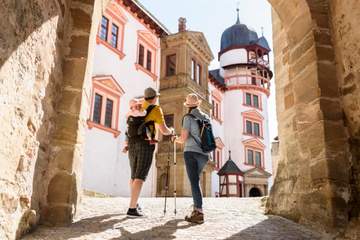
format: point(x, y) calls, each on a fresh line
point(192, 100)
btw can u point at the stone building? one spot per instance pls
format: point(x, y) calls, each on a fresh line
point(46, 56)
point(185, 57)
point(239, 93)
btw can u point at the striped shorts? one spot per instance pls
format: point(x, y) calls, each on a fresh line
point(140, 158)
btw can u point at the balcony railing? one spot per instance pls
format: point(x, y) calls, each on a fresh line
point(260, 61)
point(237, 80)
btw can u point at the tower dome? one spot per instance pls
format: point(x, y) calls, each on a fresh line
point(237, 35)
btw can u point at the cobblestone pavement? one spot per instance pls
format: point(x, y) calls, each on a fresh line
point(225, 218)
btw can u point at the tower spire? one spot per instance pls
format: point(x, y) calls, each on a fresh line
point(237, 10)
point(230, 155)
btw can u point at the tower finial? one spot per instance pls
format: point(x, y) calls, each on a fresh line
point(237, 9)
point(262, 31)
point(229, 154)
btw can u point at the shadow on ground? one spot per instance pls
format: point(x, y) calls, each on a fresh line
point(276, 228)
point(165, 231)
point(86, 226)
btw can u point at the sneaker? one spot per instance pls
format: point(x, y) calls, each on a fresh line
point(138, 208)
point(134, 213)
point(195, 217)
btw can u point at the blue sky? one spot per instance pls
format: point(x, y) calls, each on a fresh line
point(212, 17)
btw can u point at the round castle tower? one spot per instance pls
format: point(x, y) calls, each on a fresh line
point(244, 78)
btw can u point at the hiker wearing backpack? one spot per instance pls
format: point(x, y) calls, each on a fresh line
point(141, 143)
point(199, 141)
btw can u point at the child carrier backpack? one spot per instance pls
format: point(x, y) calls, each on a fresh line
point(138, 127)
point(207, 139)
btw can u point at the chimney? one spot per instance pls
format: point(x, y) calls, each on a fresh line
point(182, 24)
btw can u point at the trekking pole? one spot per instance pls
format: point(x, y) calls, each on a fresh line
point(167, 176)
point(175, 177)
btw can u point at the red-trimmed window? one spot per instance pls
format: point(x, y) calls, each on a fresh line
point(216, 100)
point(147, 48)
point(141, 56)
point(112, 29)
point(216, 109)
point(217, 156)
point(254, 153)
point(103, 33)
point(253, 127)
point(252, 100)
point(105, 104)
point(114, 35)
point(254, 157)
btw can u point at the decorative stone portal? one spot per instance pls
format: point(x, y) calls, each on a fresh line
point(44, 87)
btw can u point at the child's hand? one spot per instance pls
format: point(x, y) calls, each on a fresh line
point(125, 149)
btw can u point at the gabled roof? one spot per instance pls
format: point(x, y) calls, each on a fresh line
point(257, 172)
point(230, 167)
point(150, 19)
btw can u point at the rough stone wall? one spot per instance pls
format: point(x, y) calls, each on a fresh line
point(345, 21)
point(44, 92)
point(312, 181)
point(30, 76)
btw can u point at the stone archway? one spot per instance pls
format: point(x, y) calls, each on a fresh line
point(255, 192)
point(50, 56)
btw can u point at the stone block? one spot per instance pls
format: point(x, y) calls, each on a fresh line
point(74, 72)
point(289, 101)
point(62, 189)
point(66, 128)
point(63, 157)
point(70, 101)
point(81, 19)
point(79, 46)
point(328, 82)
point(57, 215)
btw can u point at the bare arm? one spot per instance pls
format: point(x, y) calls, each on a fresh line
point(184, 135)
point(165, 130)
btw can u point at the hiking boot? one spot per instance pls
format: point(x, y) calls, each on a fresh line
point(195, 217)
point(134, 213)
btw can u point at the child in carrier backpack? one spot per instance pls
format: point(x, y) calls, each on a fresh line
point(135, 112)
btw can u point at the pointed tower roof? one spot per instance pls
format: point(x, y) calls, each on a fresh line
point(230, 167)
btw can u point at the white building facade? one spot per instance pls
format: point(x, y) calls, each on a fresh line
point(127, 60)
point(239, 91)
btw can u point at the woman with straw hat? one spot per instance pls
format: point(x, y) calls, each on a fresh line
point(195, 158)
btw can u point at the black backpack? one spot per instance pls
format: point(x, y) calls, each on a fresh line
point(137, 126)
point(207, 138)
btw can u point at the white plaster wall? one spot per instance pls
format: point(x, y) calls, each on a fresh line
point(234, 56)
point(233, 122)
point(214, 183)
point(106, 168)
